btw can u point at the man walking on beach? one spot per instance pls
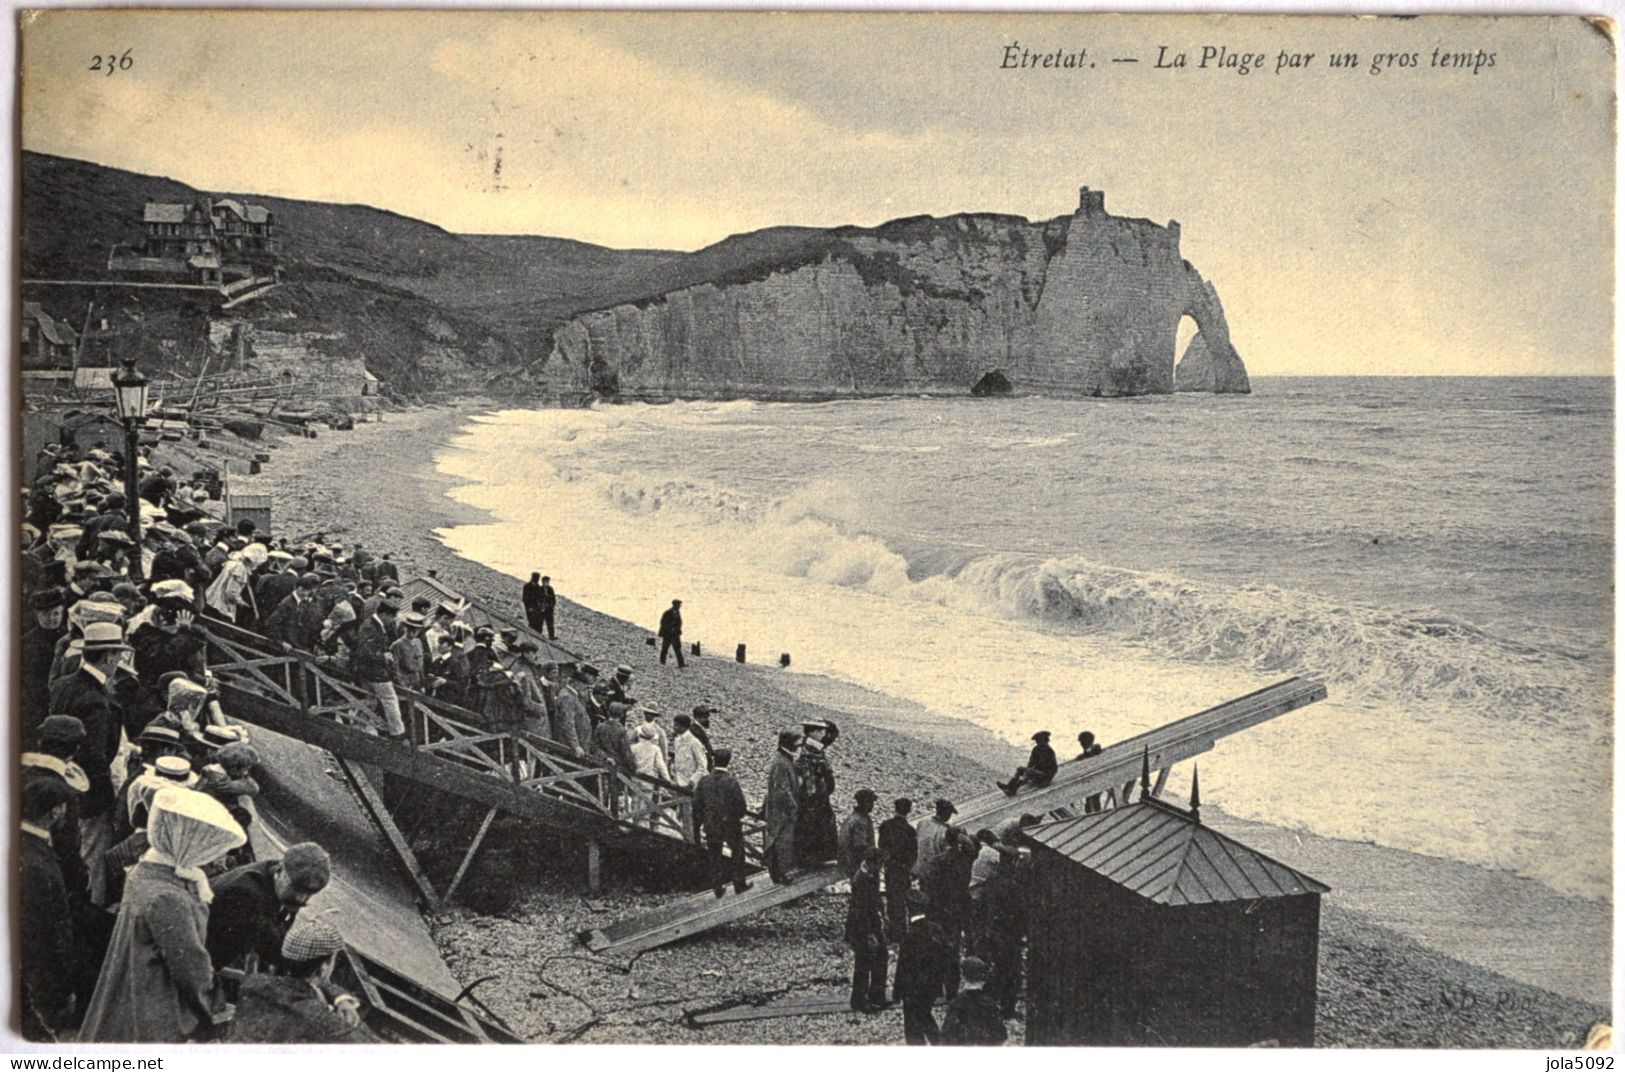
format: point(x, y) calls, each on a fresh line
point(548, 601)
point(671, 632)
point(531, 597)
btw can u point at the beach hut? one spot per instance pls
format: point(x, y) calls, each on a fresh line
point(254, 506)
point(1151, 929)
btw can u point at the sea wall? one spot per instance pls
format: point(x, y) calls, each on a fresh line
point(1083, 305)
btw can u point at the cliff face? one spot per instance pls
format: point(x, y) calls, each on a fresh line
point(1083, 305)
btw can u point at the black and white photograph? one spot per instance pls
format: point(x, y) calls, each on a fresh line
point(811, 528)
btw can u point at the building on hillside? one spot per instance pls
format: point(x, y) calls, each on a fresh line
point(1153, 930)
point(48, 344)
point(204, 242)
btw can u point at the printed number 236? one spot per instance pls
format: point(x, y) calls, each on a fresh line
point(111, 63)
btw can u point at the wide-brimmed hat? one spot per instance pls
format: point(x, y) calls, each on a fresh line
point(413, 620)
point(103, 637)
point(176, 590)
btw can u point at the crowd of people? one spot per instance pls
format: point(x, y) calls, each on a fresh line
point(949, 900)
point(146, 916)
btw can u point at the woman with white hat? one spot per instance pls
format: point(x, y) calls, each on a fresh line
point(157, 983)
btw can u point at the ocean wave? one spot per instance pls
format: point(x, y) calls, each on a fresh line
point(819, 533)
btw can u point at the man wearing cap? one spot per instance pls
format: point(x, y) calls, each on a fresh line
point(719, 812)
point(297, 620)
point(531, 597)
point(612, 747)
point(701, 729)
point(84, 695)
point(526, 672)
point(547, 603)
point(370, 664)
point(47, 941)
point(1086, 742)
point(410, 657)
point(858, 834)
point(570, 713)
point(1040, 768)
point(671, 632)
point(689, 762)
point(256, 904)
point(898, 851)
point(932, 836)
point(973, 1016)
point(303, 1005)
point(866, 935)
point(618, 684)
point(780, 808)
point(275, 583)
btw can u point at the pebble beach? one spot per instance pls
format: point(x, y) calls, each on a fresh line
point(1383, 982)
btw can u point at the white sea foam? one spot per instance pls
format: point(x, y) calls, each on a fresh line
point(1427, 705)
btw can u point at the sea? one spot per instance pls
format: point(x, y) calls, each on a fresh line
point(1439, 550)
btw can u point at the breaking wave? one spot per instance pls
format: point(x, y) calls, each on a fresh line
point(819, 533)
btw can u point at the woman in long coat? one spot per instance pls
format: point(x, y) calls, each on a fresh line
point(157, 983)
point(816, 835)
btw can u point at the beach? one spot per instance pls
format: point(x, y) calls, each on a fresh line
point(1410, 954)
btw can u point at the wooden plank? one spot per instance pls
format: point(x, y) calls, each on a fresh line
point(380, 817)
point(1117, 766)
point(468, 857)
point(700, 912)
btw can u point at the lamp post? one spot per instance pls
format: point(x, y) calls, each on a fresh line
point(130, 387)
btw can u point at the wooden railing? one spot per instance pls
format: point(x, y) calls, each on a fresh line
point(528, 760)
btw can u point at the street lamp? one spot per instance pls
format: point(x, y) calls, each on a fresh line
point(131, 389)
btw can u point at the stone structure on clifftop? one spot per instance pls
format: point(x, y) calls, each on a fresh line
point(1082, 305)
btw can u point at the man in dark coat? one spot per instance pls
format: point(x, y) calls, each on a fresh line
point(371, 665)
point(1006, 925)
point(85, 695)
point(947, 885)
point(548, 605)
point(275, 585)
point(973, 1016)
point(866, 934)
point(254, 905)
point(613, 748)
point(1040, 768)
point(780, 809)
point(857, 832)
point(531, 597)
point(46, 935)
point(924, 964)
point(1086, 741)
point(719, 811)
point(898, 851)
point(671, 632)
point(297, 620)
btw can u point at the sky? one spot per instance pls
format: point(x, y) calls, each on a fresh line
point(1413, 219)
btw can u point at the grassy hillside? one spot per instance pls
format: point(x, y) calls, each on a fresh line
point(424, 307)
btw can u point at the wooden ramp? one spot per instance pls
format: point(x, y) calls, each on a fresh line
point(1110, 774)
point(448, 749)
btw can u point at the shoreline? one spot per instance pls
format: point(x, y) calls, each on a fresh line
point(1422, 930)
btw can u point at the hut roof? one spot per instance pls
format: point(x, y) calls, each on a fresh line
point(1164, 855)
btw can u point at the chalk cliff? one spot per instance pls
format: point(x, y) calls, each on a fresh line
point(1087, 304)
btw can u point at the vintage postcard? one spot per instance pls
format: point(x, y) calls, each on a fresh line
point(883, 529)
